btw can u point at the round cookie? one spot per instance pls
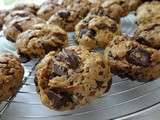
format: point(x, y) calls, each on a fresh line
point(39, 40)
point(130, 59)
point(96, 31)
point(30, 7)
point(17, 22)
point(11, 73)
point(149, 35)
point(48, 8)
point(148, 12)
point(69, 17)
point(71, 78)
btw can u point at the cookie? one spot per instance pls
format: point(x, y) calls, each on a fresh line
point(71, 78)
point(115, 9)
point(39, 40)
point(48, 8)
point(17, 22)
point(30, 7)
point(11, 73)
point(69, 17)
point(149, 34)
point(148, 12)
point(130, 59)
point(96, 31)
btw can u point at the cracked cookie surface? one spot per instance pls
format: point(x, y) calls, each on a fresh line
point(17, 22)
point(72, 77)
point(41, 39)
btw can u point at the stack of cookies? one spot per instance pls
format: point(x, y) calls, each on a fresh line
point(72, 76)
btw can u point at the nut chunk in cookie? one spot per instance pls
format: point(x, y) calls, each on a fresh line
point(11, 73)
point(72, 78)
point(41, 39)
point(17, 22)
point(69, 17)
point(96, 31)
point(130, 59)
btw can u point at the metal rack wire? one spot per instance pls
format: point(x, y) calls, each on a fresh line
point(125, 98)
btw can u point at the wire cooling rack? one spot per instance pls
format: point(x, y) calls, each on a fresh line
point(125, 98)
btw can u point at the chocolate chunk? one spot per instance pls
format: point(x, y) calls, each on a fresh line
point(64, 14)
point(143, 40)
point(138, 56)
point(99, 84)
point(59, 69)
point(60, 98)
point(56, 98)
point(71, 58)
point(18, 27)
point(89, 32)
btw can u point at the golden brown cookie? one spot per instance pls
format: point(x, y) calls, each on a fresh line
point(71, 78)
point(41, 39)
point(130, 59)
point(17, 22)
point(69, 17)
point(96, 31)
point(11, 73)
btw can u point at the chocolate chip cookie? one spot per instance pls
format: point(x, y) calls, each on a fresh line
point(149, 34)
point(71, 78)
point(148, 12)
point(11, 73)
point(130, 59)
point(17, 22)
point(69, 17)
point(39, 40)
point(48, 8)
point(115, 9)
point(96, 31)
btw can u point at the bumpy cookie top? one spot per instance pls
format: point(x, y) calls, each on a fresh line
point(147, 12)
point(11, 73)
point(72, 77)
point(67, 18)
point(39, 40)
point(96, 31)
point(137, 60)
point(17, 22)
